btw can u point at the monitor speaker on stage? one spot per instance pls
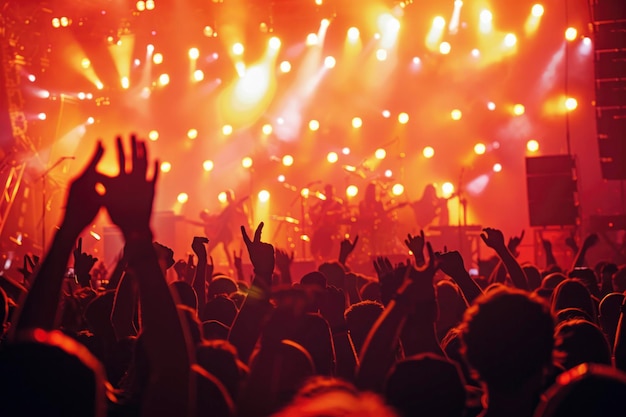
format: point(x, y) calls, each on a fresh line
point(551, 190)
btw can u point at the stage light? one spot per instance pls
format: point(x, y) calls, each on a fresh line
point(357, 122)
point(497, 167)
point(99, 85)
point(281, 178)
point(312, 39)
point(192, 133)
point(447, 189)
point(380, 153)
point(403, 118)
point(456, 114)
point(397, 189)
point(208, 31)
point(510, 40)
point(194, 53)
point(166, 166)
point(65, 21)
point(264, 196)
point(141, 5)
point(182, 198)
point(81, 95)
point(85, 63)
point(56, 22)
point(314, 125)
point(388, 24)
point(285, 67)
point(157, 58)
point(353, 34)
point(475, 53)
point(571, 33)
point(388, 173)
point(332, 157)
point(208, 165)
point(330, 62)
point(267, 129)
point(246, 162)
point(153, 135)
point(486, 16)
point(125, 83)
point(305, 192)
point(345, 151)
point(227, 130)
point(445, 48)
point(537, 10)
point(42, 116)
point(386, 114)
point(89, 96)
point(480, 148)
point(416, 61)
point(439, 22)
point(164, 79)
point(381, 54)
point(238, 49)
point(136, 62)
point(287, 160)
point(150, 4)
point(532, 145)
point(222, 197)
point(274, 43)
point(91, 120)
point(280, 121)
point(571, 103)
point(198, 75)
point(428, 152)
point(319, 2)
point(352, 191)
point(324, 23)
point(587, 41)
point(491, 105)
point(519, 109)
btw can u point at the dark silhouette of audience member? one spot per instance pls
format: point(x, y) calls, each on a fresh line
point(609, 315)
point(360, 318)
point(579, 341)
point(572, 293)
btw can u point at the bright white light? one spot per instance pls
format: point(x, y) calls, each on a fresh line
point(287, 160)
point(386, 114)
point(403, 118)
point(475, 53)
point(153, 135)
point(353, 34)
point(42, 116)
point(238, 49)
point(182, 198)
point(157, 58)
point(125, 82)
point(227, 130)
point(264, 196)
point(32, 78)
point(352, 191)
point(164, 79)
point(381, 54)
point(192, 133)
point(357, 122)
point(439, 22)
point(510, 40)
point(491, 105)
point(330, 62)
point(397, 189)
point(445, 48)
point(194, 53)
point(447, 188)
point(246, 162)
point(208, 165)
point(380, 153)
point(388, 173)
point(332, 157)
point(166, 166)
point(314, 125)
point(456, 114)
point(537, 10)
point(149, 48)
point(486, 16)
point(497, 167)
point(285, 67)
point(274, 43)
point(571, 103)
point(198, 75)
point(345, 151)
point(480, 148)
point(587, 41)
point(81, 95)
point(91, 120)
point(311, 39)
point(267, 129)
point(571, 34)
point(222, 197)
point(532, 145)
point(428, 152)
point(281, 178)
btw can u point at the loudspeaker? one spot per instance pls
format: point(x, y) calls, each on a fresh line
point(551, 190)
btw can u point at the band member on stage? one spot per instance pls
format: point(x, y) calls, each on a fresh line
point(225, 228)
point(430, 208)
point(326, 217)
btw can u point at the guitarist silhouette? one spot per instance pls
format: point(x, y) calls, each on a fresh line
point(225, 228)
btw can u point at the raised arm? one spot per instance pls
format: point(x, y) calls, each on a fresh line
point(247, 326)
point(128, 199)
point(589, 242)
point(40, 308)
point(495, 240)
point(199, 280)
point(451, 263)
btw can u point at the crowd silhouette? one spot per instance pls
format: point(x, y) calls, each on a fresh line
point(421, 338)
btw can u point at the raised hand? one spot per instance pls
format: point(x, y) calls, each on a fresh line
point(261, 254)
point(416, 245)
point(333, 307)
point(346, 248)
point(514, 242)
point(422, 279)
point(590, 241)
point(199, 248)
point(383, 267)
point(83, 200)
point(130, 195)
point(451, 263)
point(493, 238)
point(83, 262)
point(30, 263)
point(283, 259)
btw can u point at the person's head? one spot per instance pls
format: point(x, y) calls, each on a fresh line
point(221, 285)
point(220, 308)
point(330, 397)
point(610, 309)
point(314, 279)
point(508, 337)
point(360, 319)
point(572, 293)
point(370, 192)
point(193, 324)
point(184, 294)
point(219, 358)
point(329, 191)
point(48, 373)
point(371, 291)
point(588, 277)
point(214, 330)
point(334, 272)
point(586, 390)
point(579, 341)
point(619, 280)
point(430, 192)
point(533, 276)
point(427, 385)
